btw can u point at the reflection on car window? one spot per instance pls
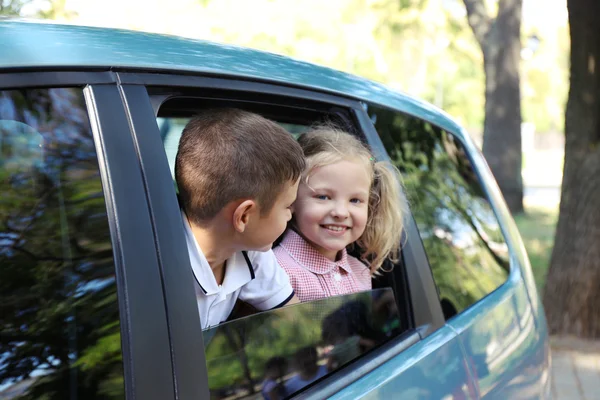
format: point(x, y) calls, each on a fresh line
point(460, 232)
point(58, 302)
point(280, 352)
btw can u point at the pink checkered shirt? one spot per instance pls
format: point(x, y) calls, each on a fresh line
point(313, 276)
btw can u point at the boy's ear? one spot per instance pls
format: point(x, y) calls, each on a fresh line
point(242, 214)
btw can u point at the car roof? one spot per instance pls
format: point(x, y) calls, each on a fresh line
point(39, 45)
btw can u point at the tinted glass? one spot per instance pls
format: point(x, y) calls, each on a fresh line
point(460, 232)
point(279, 352)
point(58, 301)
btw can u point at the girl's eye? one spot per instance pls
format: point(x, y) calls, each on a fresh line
point(356, 201)
point(322, 197)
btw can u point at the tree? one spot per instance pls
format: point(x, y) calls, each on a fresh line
point(499, 39)
point(11, 8)
point(572, 292)
point(55, 10)
point(47, 9)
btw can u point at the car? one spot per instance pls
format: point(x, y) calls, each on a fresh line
point(96, 293)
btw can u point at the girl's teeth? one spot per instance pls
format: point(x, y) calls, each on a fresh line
point(335, 228)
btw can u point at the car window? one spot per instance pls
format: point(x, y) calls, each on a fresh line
point(459, 230)
point(263, 352)
point(279, 352)
point(58, 300)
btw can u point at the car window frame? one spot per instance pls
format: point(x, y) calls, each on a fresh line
point(427, 312)
point(142, 314)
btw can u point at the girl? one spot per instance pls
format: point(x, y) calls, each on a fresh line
point(345, 200)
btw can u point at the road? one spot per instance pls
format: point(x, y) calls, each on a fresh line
point(575, 369)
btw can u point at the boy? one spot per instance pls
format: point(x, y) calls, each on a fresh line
point(237, 175)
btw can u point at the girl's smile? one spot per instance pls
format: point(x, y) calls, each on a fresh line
point(335, 228)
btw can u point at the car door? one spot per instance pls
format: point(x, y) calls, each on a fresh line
point(427, 353)
point(81, 296)
point(477, 259)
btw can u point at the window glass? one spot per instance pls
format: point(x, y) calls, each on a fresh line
point(460, 233)
point(279, 352)
point(58, 300)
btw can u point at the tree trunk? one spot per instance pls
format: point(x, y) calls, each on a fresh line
point(502, 126)
point(500, 42)
point(572, 293)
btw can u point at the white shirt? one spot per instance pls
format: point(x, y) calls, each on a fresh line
point(264, 284)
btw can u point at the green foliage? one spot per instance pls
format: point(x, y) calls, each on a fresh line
point(423, 47)
point(413, 45)
point(46, 9)
point(12, 8)
point(56, 9)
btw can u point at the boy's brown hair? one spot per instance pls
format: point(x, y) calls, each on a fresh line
point(230, 154)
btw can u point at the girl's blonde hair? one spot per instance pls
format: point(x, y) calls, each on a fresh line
point(325, 145)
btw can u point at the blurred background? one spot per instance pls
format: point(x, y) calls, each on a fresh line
point(456, 54)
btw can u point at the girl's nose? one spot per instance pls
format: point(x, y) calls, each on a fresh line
point(339, 211)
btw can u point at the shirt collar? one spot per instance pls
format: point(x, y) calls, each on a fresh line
point(307, 256)
point(238, 270)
